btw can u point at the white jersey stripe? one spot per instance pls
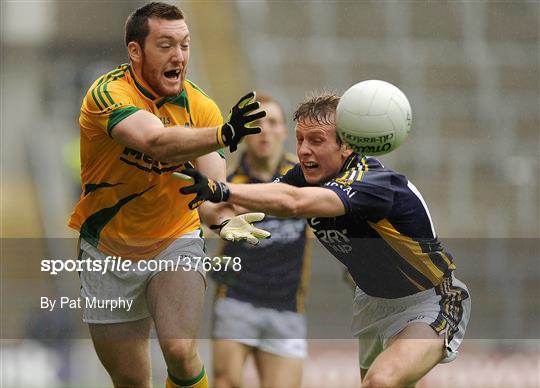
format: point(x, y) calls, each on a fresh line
point(417, 193)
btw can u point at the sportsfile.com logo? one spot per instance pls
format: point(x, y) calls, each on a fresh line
point(114, 263)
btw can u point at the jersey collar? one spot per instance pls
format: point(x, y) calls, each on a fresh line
point(353, 160)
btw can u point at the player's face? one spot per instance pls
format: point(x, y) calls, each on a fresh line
point(321, 157)
point(165, 56)
point(270, 141)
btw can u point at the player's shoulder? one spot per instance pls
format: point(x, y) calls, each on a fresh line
point(196, 95)
point(100, 93)
point(115, 77)
point(359, 170)
point(203, 111)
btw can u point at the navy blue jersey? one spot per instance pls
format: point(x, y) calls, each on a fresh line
point(386, 238)
point(275, 272)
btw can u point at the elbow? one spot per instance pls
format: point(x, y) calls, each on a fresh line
point(290, 208)
point(156, 149)
point(151, 146)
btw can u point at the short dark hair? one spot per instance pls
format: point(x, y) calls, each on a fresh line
point(137, 23)
point(320, 108)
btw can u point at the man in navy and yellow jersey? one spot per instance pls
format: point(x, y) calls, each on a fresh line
point(139, 123)
point(259, 310)
point(410, 312)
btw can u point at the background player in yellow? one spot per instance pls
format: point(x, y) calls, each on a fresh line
point(139, 123)
point(410, 312)
point(259, 311)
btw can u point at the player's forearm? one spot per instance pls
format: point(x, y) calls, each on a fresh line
point(273, 198)
point(216, 213)
point(180, 144)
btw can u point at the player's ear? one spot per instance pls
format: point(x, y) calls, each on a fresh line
point(135, 52)
point(345, 150)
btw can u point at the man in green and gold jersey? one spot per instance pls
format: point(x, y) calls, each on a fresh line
point(139, 123)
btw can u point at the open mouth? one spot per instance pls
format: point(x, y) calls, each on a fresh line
point(172, 74)
point(310, 165)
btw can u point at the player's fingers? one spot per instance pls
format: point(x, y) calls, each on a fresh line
point(259, 233)
point(181, 176)
point(228, 236)
point(250, 108)
point(189, 189)
point(194, 204)
point(256, 116)
point(253, 131)
point(246, 99)
point(252, 240)
point(253, 217)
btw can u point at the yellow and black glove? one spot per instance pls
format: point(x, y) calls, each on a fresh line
point(206, 189)
point(236, 127)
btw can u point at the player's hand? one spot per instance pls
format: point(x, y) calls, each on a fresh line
point(240, 228)
point(237, 125)
point(206, 189)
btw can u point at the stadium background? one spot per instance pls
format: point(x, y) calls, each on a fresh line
point(470, 70)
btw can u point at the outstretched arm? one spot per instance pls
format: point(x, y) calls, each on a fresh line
point(279, 199)
point(146, 133)
point(284, 200)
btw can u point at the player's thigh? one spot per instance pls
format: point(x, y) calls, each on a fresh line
point(124, 351)
point(176, 301)
point(229, 358)
point(279, 371)
point(409, 356)
point(175, 296)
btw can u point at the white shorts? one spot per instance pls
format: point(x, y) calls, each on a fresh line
point(281, 333)
point(126, 290)
point(446, 308)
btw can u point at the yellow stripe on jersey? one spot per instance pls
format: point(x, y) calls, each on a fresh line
point(451, 265)
point(409, 250)
point(364, 164)
point(96, 93)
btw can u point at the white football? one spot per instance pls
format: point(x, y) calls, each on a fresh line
point(373, 117)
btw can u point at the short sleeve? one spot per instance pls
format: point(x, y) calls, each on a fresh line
point(368, 195)
point(106, 104)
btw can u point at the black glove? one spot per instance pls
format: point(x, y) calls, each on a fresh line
point(206, 189)
point(232, 132)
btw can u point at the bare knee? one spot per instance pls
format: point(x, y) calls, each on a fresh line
point(180, 352)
